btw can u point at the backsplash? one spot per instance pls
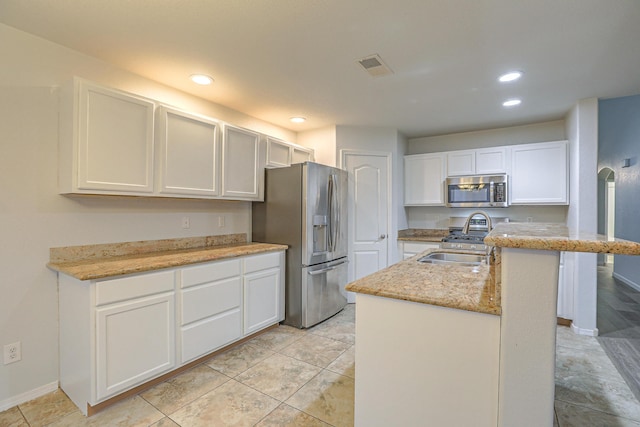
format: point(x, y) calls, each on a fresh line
point(108, 250)
point(437, 217)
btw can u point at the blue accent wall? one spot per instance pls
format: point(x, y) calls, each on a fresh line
point(619, 139)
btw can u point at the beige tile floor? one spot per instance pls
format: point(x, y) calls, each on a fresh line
point(289, 377)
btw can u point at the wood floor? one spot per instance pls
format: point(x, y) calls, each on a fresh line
point(618, 322)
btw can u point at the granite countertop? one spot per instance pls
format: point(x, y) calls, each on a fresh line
point(471, 288)
point(422, 234)
point(556, 237)
point(478, 288)
point(91, 262)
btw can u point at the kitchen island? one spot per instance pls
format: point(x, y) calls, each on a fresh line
point(479, 353)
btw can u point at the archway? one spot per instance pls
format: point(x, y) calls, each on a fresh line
point(606, 210)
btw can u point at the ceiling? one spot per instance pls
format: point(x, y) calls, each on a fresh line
point(274, 59)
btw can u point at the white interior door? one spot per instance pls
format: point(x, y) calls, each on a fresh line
point(368, 213)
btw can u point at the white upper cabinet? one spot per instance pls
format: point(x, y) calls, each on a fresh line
point(118, 143)
point(461, 163)
point(424, 176)
point(492, 160)
point(242, 166)
point(106, 141)
point(540, 174)
point(301, 154)
point(188, 153)
point(278, 153)
point(477, 162)
point(282, 154)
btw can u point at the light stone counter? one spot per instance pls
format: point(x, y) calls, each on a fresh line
point(91, 262)
point(514, 348)
point(471, 288)
point(556, 237)
point(422, 235)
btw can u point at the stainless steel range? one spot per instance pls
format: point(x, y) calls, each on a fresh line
point(474, 239)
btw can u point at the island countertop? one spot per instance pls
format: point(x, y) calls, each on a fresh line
point(471, 288)
point(478, 288)
point(92, 262)
point(556, 237)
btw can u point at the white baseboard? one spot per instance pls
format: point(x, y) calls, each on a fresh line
point(626, 281)
point(583, 331)
point(27, 396)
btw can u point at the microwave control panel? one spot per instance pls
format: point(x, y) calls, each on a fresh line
point(500, 192)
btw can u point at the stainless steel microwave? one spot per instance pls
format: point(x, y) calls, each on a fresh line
point(478, 191)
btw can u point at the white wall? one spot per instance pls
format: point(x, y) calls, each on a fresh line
point(323, 142)
point(580, 268)
point(538, 132)
point(35, 218)
point(437, 217)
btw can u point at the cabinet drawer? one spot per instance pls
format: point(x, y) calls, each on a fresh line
point(261, 262)
point(210, 299)
point(198, 275)
point(206, 336)
point(120, 289)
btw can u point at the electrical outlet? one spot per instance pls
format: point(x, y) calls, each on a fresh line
point(186, 222)
point(529, 219)
point(221, 221)
point(12, 353)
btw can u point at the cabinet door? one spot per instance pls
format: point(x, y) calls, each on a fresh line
point(261, 299)
point(424, 179)
point(115, 141)
point(278, 153)
point(301, 155)
point(242, 169)
point(135, 342)
point(410, 249)
point(491, 160)
point(189, 153)
point(539, 174)
point(461, 163)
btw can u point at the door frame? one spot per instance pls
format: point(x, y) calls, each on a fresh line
point(344, 153)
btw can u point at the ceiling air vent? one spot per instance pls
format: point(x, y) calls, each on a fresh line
point(374, 66)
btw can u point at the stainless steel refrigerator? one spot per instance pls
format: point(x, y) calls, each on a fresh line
point(305, 207)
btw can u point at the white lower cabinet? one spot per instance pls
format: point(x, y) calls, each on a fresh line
point(211, 301)
point(119, 333)
point(135, 341)
point(409, 249)
point(263, 291)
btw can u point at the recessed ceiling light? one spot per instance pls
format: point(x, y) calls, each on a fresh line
point(512, 102)
point(297, 120)
point(201, 79)
point(510, 76)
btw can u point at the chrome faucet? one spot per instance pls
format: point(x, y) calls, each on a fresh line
point(465, 229)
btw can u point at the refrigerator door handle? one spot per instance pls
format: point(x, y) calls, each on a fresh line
point(330, 208)
point(324, 270)
point(333, 217)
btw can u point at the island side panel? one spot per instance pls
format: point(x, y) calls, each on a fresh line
point(528, 337)
point(419, 364)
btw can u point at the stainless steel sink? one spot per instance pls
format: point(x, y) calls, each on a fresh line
point(453, 258)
